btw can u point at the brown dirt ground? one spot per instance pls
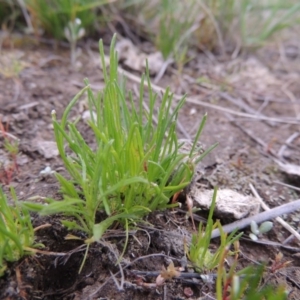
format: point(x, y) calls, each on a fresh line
point(266, 82)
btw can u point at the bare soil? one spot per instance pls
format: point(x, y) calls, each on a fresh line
point(253, 106)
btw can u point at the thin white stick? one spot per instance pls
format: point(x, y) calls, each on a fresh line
point(287, 185)
point(287, 142)
point(259, 218)
point(278, 219)
point(26, 15)
point(162, 70)
point(5, 133)
point(28, 105)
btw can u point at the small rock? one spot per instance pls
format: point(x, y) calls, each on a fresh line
point(47, 148)
point(229, 204)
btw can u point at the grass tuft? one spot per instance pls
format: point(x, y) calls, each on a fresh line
point(134, 168)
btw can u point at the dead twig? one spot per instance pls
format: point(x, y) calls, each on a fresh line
point(278, 219)
point(272, 244)
point(182, 274)
point(28, 105)
point(121, 272)
point(289, 239)
point(289, 140)
point(165, 292)
point(41, 227)
point(162, 70)
point(287, 185)
point(21, 287)
point(50, 58)
point(259, 218)
point(7, 134)
point(292, 97)
point(98, 289)
point(252, 136)
point(244, 106)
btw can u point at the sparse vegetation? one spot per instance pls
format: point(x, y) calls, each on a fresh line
point(16, 231)
point(134, 165)
point(245, 284)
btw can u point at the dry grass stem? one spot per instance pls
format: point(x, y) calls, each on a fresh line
point(98, 289)
point(244, 106)
point(289, 140)
point(287, 185)
point(196, 101)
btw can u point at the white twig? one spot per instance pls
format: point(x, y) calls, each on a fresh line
point(5, 133)
point(278, 219)
point(259, 218)
point(98, 289)
point(162, 70)
point(287, 142)
point(243, 106)
point(287, 185)
point(28, 105)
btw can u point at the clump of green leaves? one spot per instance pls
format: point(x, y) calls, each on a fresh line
point(199, 253)
point(222, 25)
point(168, 23)
point(174, 28)
point(135, 166)
point(16, 231)
point(258, 21)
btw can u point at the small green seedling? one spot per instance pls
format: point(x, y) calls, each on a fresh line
point(73, 32)
point(199, 253)
point(256, 231)
point(175, 28)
